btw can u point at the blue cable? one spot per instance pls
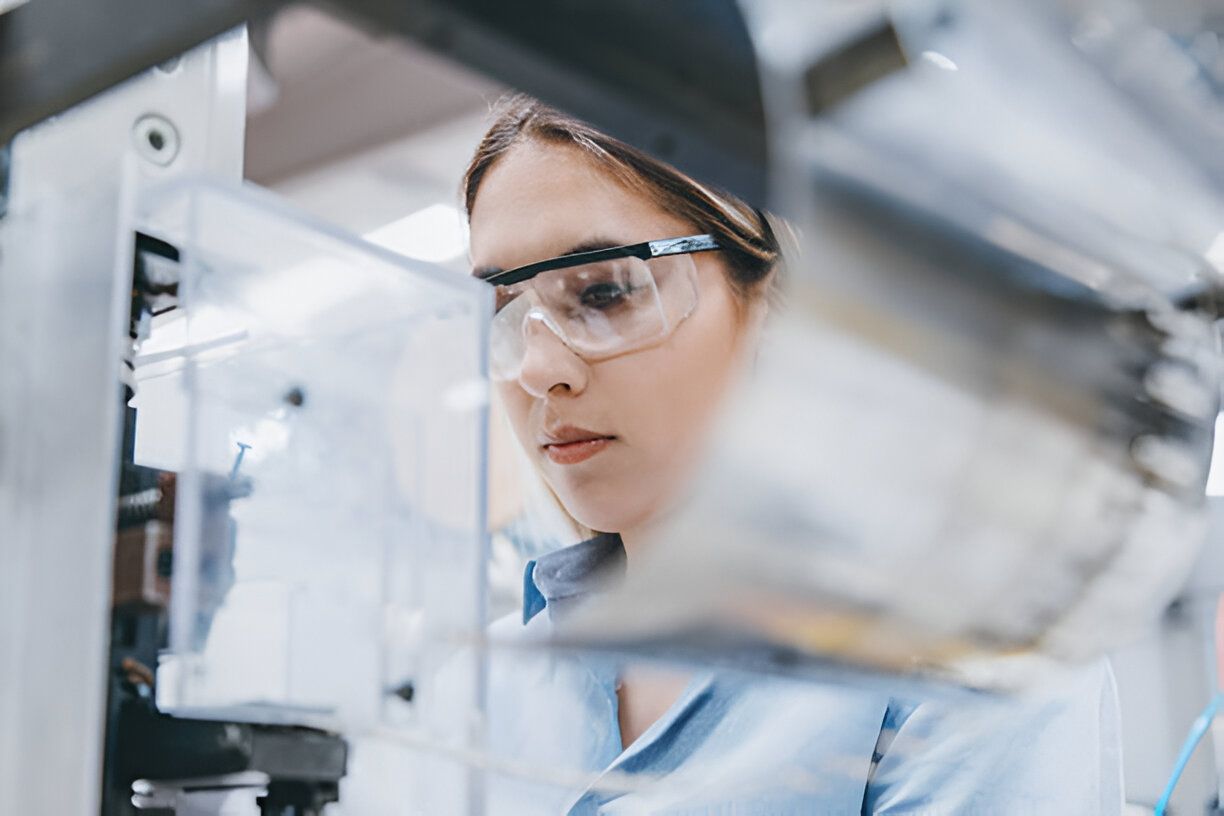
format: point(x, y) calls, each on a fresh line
point(1192, 740)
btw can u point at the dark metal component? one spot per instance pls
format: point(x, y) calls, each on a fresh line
point(676, 79)
point(138, 507)
point(156, 272)
point(405, 691)
point(157, 246)
point(305, 765)
point(5, 163)
point(298, 798)
point(155, 279)
point(137, 634)
point(156, 746)
point(57, 53)
point(874, 54)
point(149, 496)
point(165, 564)
point(136, 478)
point(297, 754)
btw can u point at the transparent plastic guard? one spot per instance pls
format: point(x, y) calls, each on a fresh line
point(329, 537)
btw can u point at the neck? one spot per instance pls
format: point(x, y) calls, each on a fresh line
point(634, 539)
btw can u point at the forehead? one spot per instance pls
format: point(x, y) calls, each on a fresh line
point(539, 200)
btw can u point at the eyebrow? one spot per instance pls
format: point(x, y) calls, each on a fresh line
point(589, 245)
point(592, 245)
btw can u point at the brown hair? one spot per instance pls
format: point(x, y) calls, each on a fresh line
point(744, 233)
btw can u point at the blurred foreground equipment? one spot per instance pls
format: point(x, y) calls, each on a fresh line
point(980, 426)
point(982, 421)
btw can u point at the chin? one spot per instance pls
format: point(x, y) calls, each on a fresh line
point(602, 516)
point(596, 521)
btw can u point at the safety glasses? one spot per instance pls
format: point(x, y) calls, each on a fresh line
point(601, 303)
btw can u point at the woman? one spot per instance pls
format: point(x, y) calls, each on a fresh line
point(628, 295)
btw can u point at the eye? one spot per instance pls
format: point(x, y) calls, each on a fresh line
point(604, 295)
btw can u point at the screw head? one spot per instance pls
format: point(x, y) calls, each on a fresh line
point(156, 139)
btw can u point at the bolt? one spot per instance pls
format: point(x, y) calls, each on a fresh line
point(405, 691)
point(242, 449)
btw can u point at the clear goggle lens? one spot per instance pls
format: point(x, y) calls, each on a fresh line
point(598, 310)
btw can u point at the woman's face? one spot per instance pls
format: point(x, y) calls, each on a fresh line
point(645, 411)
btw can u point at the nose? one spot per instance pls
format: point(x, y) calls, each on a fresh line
point(548, 364)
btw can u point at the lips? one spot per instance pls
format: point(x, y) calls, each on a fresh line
point(569, 445)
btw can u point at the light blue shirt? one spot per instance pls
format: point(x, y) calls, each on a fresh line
point(733, 744)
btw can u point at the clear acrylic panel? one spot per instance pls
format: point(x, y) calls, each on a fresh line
point(329, 535)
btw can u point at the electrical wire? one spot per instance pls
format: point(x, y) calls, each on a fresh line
point(1200, 727)
point(1203, 723)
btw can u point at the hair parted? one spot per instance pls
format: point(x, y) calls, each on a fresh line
point(744, 233)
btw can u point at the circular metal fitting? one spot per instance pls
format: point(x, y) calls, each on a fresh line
point(156, 139)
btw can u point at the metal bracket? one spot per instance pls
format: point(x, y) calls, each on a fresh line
point(6, 159)
point(676, 79)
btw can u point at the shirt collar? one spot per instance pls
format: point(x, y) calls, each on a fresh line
point(559, 579)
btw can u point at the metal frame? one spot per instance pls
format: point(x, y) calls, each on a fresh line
point(66, 260)
point(57, 53)
point(676, 79)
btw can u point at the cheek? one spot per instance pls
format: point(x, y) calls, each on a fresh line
point(676, 388)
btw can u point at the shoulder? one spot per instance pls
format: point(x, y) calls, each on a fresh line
point(1057, 746)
